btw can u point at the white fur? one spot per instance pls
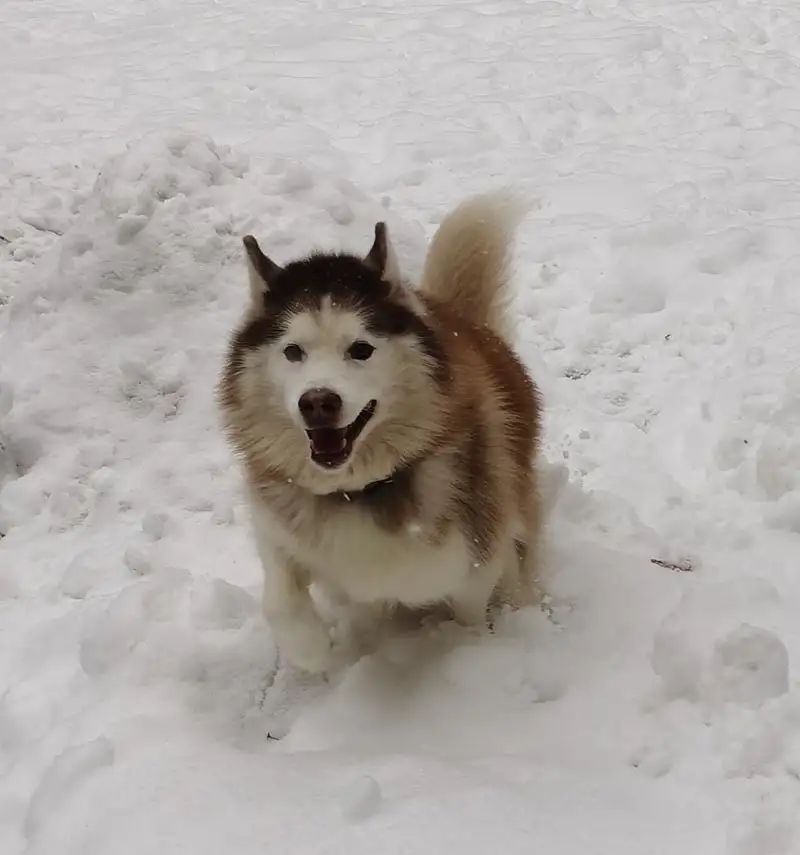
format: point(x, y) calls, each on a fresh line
point(325, 338)
point(394, 376)
point(369, 564)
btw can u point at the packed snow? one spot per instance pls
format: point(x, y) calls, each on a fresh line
point(652, 706)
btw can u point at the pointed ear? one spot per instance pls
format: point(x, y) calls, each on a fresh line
point(262, 271)
point(381, 257)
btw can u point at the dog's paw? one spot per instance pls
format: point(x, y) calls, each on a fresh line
point(309, 648)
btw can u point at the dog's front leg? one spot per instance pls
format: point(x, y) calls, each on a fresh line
point(300, 633)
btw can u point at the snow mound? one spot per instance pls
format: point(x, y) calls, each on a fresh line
point(62, 779)
point(708, 648)
point(156, 217)
point(361, 799)
point(128, 315)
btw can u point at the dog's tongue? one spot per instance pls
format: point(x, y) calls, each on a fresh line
point(327, 440)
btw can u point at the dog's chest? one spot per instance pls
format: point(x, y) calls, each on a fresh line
point(369, 563)
point(378, 548)
point(382, 544)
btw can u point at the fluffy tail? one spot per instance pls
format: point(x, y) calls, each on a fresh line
point(468, 259)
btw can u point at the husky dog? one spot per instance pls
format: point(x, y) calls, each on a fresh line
point(388, 433)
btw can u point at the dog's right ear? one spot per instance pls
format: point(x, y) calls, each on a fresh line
point(381, 257)
point(262, 271)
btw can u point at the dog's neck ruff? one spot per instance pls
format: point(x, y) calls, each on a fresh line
point(368, 490)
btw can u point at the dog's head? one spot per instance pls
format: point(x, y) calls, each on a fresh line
point(336, 377)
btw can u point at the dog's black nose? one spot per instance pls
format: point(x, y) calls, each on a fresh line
point(320, 407)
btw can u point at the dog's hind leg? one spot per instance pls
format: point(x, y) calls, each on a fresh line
point(528, 590)
point(471, 603)
point(523, 585)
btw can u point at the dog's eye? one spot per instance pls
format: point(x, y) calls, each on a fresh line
point(360, 350)
point(293, 352)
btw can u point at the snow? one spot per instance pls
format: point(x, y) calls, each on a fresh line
point(361, 799)
point(652, 707)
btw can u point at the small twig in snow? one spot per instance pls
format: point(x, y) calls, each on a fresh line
point(677, 566)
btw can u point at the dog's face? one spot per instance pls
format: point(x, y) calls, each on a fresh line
point(337, 377)
point(341, 364)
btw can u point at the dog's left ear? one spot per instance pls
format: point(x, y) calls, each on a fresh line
point(263, 272)
point(381, 258)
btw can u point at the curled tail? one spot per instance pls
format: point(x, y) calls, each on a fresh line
point(468, 261)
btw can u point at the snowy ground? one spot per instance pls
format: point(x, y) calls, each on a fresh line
point(655, 711)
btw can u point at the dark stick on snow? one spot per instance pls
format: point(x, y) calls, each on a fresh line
point(681, 567)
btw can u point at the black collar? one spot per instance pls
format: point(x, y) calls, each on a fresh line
point(367, 491)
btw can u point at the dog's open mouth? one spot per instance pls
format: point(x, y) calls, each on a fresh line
point(331, 447)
